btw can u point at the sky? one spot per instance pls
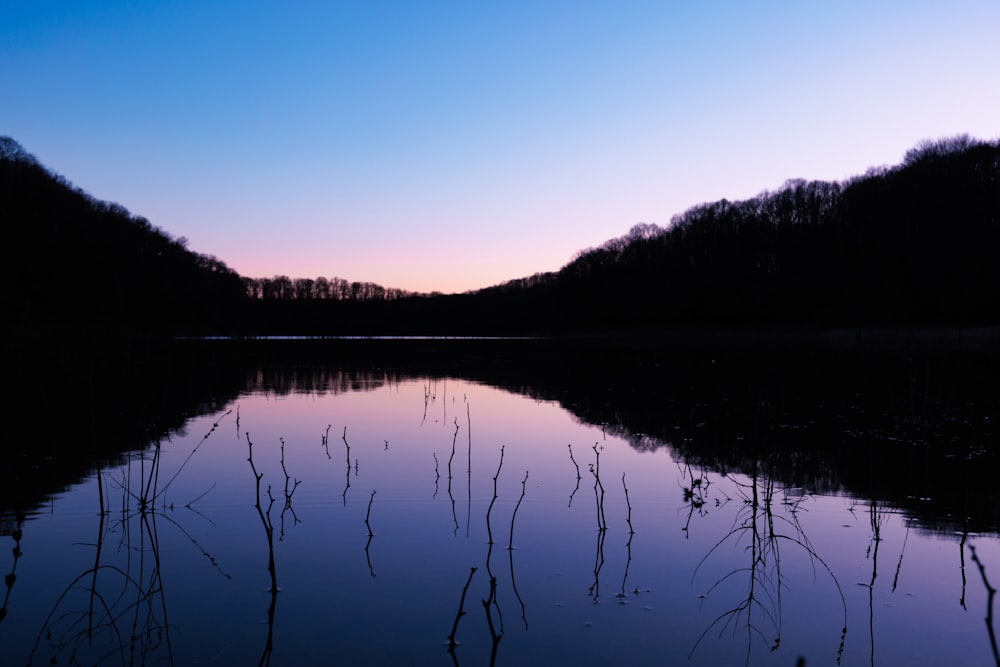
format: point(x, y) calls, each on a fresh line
point(449, 146)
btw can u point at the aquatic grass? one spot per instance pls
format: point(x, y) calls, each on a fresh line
point(495, 636)
point(524, 482)
point(578, 478)
point(695, 495)
point(149, 489)
point(287, 507)
point(371, 535)
point(347, 449)
point(268, 525)
point(573, 460)
point(427, 397)
point(899, 564)
point(194, 451)
point(876, 517)
point(647, 486)
point(11, 577)
point(454, 440)
point(451, 497)
point(211, 559)
point(437, 475)
point(628, 505)
point(368, 556)
point(369, 514)
point(265, 516)
point(468, 506)
point(489, 510)
point(347, 482)
point(757, 525)
point(130, 625)
point(595, 470)
point(513, 585)
point(628, 544)
point(602, 524)
point(461, 612)
point(594, 592)
point(961, 564)
point(991, 593)
point(325, 441)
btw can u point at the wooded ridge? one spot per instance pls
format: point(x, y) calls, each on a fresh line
point(911, 244)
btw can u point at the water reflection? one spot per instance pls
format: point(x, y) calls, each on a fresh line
point(268, 525)
point(16, 533)
point(491, 604)
point(766, 520)
point(713, 508)
point(991, 594)
point(116, 610)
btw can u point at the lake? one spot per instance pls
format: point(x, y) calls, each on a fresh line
point(474, 502)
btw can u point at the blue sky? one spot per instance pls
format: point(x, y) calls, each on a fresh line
point(454, 145)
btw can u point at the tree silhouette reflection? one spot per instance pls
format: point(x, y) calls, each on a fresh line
point(268, 525)
point(991, 593)
point(11, 577)
point(117, 608)
point(763, 524)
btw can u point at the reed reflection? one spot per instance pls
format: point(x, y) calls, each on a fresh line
point(578, 478)
point(16, 533)
point(491, 606)
point(602, 525)
point(347, 455)
point(764, 524)
point(452, 642)
point(371, 535)
point(749, 569)
point(695, 494)
point(876, 518)
point(451, 497)
point(268, 525)
point(510, 549)
point(628, 545)
point(991, 593)
point(117, 608)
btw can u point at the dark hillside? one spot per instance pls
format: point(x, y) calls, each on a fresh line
point(74, 263)
point(909, 245)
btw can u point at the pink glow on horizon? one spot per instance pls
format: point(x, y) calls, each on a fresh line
point(449, 151)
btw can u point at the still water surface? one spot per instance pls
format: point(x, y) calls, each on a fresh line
point(397, 512)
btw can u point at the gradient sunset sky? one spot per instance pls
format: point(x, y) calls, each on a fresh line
point(454, 145)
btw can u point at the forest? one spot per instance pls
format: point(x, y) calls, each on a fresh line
point(81, 265)
point(906, 245)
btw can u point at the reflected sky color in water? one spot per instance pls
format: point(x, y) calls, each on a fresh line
point(719, 570)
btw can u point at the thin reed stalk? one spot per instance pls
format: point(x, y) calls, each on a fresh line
point(489, 529)
point(461, 612)
point(524, 482)
point(369, 514)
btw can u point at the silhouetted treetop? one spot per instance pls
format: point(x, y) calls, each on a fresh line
point(322, 288)
point(931, 149)
point(905, 244)
point(82, 263)
point(911, 244)
point(12, 151)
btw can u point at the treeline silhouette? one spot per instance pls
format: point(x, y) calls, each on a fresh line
point(910, 423)
point(72, 262)
point(303, 289)
point(909, 245)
